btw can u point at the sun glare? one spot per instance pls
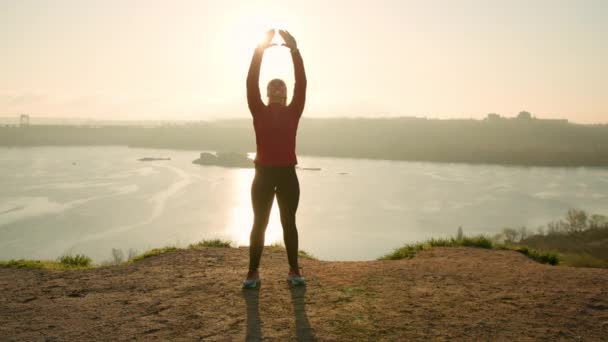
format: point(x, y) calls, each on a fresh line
point(250, 21)
point(246, 28)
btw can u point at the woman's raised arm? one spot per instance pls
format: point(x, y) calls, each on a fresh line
point(254, 98)
point(299, 91)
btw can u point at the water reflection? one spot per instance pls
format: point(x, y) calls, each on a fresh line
point(240, 218)
point(49, 206)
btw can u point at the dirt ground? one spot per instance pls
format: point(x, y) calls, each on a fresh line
point(463, 294)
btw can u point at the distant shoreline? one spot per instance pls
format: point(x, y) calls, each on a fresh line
point(197, 152)
point(507, 142)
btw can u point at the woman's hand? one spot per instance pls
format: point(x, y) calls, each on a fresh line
point(290, 41)
point(267, 41)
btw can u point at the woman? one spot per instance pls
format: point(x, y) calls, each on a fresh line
point(275, 126)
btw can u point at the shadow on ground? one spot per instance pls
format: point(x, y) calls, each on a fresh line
point(304, 332)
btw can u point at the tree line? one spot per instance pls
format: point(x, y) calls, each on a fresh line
point(581, 237)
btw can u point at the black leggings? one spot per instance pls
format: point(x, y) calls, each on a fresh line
point(268, 181)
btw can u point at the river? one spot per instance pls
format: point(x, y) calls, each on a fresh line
point(57, 200)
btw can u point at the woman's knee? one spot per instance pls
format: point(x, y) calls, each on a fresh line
point(260, 224)
point(289, 224)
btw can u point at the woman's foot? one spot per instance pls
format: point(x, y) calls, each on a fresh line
point(295, 278)
point(252, 281)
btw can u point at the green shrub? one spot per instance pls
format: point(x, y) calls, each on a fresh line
point(78, 260)
point(211, 243)
point(477, 241)
point(441, 242)
point(466, 241)
point(540, 256)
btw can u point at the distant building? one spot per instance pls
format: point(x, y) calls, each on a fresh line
point(523, 115)
point(493, 117)
point(24, 120)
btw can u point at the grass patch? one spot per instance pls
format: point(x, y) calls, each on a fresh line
point(351, 290)
point(23, 263)
point(304, 254)
point(408, 251)
point(65, 262)
point(154, 252)
point(346, 294)
point(81, 261)
point(211, 243)
point(279, 245)
point(301, 253)
point(582, 260)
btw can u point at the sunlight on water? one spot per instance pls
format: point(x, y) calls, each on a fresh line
point(55, 200)
point(241, 214)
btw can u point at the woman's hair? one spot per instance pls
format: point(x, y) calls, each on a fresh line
point(276, 85)
point(277, 92)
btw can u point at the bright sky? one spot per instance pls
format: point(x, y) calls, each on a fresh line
point(176, 60)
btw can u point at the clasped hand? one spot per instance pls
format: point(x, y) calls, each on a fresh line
point(290, 41)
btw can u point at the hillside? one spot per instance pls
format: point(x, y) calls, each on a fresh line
point(441, 294)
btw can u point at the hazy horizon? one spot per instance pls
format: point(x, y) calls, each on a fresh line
point(51, 120)
point(187, 60)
